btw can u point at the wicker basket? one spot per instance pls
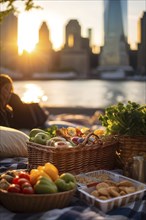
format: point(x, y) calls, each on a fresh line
point(130, 146)
point(78, 159)
point(18, 202)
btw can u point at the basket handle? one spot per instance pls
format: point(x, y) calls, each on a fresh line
point(87, 138)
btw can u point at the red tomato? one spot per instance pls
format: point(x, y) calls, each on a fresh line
point(26, 184)
point(21, 181)
point(25, 175)
point(28, 190)
point(14, 188)
point(15, 180)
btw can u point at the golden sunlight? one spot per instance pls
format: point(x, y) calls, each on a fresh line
point(33, 93)
point(56, 27)
point(28, 29)
point(27, 35)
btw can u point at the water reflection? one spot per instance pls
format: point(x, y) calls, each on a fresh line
point(114, 96)
point(33, 93)
point(84, 93)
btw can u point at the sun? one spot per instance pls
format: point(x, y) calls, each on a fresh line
point(27, 34)
point(29, 46)
point(28, 29)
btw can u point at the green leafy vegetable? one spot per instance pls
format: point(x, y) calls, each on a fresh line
point(125, 119)
point(52, 130)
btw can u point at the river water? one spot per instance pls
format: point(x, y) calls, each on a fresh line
point(81, 93)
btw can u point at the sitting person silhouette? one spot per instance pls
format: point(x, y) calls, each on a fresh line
point(6, 89)
point(19, 115)
point(15, 113)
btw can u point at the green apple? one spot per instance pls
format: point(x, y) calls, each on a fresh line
point(41, 138)
point(35, 131)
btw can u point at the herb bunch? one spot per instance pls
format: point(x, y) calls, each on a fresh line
point(52, 130)
point(125, 119)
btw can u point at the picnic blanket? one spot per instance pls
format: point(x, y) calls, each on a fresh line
point(13, 163)
point(77, 209)
point(80, 211)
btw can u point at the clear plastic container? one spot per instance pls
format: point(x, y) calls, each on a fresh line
point(109, 204)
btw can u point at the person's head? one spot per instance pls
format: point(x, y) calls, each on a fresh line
point(6, 88)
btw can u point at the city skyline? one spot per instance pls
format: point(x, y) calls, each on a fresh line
point(58, 13)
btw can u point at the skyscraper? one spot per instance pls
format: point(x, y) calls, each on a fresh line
point(114, 53)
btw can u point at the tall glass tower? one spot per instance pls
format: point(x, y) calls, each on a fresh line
point(115, 50)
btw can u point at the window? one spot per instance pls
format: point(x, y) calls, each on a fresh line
point(71, 40)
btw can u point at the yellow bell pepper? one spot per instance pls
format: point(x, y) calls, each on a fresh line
point(51, 170)
point(35, 174)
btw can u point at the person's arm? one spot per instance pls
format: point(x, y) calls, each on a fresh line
point(15, 101)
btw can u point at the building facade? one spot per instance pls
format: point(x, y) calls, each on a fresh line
point(141, 61)
point(75, 54)
point(43, 51)
point(114, 53)
point(8, 42)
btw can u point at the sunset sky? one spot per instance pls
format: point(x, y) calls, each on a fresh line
point(58, 13)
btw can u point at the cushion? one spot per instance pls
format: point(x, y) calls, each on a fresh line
point(12, 142)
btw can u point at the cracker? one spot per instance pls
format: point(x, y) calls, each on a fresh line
point(103, 191)
point(102, 185)
point(95, 193)
point(113, 191)
point(110, 183)
point(125, 183)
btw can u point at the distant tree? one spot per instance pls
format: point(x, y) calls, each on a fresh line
point(11, 7)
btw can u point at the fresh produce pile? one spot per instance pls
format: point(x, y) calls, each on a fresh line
point(125, 119)
point(63, 137)
point(43, 180)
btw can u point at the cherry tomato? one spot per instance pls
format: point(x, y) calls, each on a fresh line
point(25, 175)
point(15, 180)
point(14, 188)
point(26, 184)
point(28, 190)
point(21, 181)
